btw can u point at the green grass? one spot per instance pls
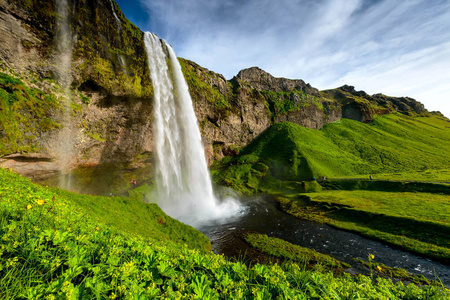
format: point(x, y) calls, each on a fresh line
point(382, 270)
point(442, 175)
point(419, 206)
point(386, 186)
point(287, 152)
point(56, 244)
point(127, 215)
point(395, 143)
point(287, 251)
point(309, 258)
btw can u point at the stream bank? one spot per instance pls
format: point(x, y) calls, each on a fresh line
point(263, 216)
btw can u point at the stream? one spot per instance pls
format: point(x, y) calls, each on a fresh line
point(262, 216)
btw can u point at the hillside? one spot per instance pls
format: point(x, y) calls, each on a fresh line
point(289, 152)
point(57, 244)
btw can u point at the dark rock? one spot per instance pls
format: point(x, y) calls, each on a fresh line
point(262, 81)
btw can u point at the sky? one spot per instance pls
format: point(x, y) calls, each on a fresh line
point(398, 48)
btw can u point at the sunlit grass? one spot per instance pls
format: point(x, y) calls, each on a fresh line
point(56, 244)
point(300, 255)
point(419, 206)
point(442, 175)
point(412, 148)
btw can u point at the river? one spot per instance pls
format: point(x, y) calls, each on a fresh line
point(263, 216)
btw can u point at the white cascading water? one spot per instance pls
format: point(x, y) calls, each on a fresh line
point(63, 61)
point(119, 24)
point(183, 183)
point(115, 15)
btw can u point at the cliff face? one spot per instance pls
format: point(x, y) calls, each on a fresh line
point(110, 93)
point(110, 110)
point(232, 113)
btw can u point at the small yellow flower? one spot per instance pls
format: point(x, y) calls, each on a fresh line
point(29, 206)
point(40, 202)
point(379, 268)
point(371, 256)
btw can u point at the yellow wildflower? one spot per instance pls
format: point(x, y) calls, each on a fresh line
point(40, 202)
point(29, 206)
point(379, 268)
point(371, 256)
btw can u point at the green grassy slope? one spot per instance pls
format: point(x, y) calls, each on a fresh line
point(288, 152)
point(434, 208)
point(395, 143)
point(126, 215)
point(56, 244)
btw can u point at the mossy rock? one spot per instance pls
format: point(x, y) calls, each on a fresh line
point(260, 167)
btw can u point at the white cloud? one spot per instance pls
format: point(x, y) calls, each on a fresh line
point(394, 47)
point(424, 75)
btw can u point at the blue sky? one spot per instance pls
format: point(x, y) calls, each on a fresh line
point(399, 48)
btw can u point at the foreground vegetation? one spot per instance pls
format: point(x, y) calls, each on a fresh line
point(284, 251)
point(58, 244)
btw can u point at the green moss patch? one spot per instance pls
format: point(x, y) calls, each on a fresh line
point(200, 89)
point(24, 115)
point(287, 251)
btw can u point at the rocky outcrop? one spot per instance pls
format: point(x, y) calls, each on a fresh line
point(228, 116)
point(262, 81)
point(360, 106)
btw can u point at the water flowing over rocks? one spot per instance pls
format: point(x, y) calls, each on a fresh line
point(182, 177)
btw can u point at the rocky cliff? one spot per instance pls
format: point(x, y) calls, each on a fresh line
point(232, 113)
point(110, 89)
point(110, 93)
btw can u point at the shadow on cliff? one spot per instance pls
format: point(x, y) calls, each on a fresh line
point(124, 154)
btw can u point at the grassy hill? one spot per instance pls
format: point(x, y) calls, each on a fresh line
point(56, 244)
point(287, 152)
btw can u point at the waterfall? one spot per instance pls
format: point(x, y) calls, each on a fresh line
point(115, 15)
point(183, 183)
point(63, 63)
point(119, 24)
